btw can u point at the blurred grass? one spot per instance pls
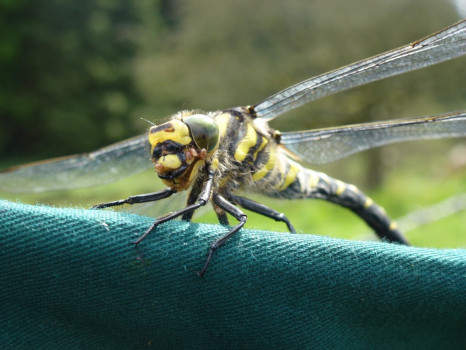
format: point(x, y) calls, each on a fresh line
point(404, 191)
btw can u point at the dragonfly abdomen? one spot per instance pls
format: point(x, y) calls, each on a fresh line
point(290, 180)
point(312, 184)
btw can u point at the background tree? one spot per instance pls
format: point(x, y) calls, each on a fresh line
point(66, 80)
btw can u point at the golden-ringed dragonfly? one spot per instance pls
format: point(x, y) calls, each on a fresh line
point(216, 154)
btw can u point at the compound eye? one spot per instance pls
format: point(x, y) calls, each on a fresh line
point(204, 131)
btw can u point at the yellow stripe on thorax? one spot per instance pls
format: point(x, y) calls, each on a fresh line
point(267, 167)
point(246, 143)
point(261, 147)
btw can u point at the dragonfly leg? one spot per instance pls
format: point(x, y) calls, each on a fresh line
point(203, 199)
point(221, 216)
point(237, 213)
point(262, 209)
point(142, 198)
point(193, 198)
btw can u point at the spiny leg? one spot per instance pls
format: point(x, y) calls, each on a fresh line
point(231, 209)
point(262, 209)
point(203, 199)
point(193, 197)
point(142, 198)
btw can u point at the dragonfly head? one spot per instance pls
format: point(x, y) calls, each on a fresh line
point(179, 148)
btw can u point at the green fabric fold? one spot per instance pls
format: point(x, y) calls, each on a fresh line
point(71, 279)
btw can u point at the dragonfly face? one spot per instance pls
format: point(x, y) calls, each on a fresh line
point(179, 148)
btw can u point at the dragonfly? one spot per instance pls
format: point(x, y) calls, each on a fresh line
point(215, 155)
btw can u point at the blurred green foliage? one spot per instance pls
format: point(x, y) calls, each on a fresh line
point(77, 75)
point(66, 75)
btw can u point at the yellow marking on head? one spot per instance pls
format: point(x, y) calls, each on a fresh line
point(291, 175)
point(267, 167)
point(222, 122)
point(393, 226)
point(246, 143)
point(261, 147)
point(313, 179)
point(340, 187)
point(170, 161)
point(178, 132)
point(368, 202)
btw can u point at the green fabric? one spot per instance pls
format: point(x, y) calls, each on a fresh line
point(71, 279)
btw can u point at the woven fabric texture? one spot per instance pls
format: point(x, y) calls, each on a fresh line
point(71, 279)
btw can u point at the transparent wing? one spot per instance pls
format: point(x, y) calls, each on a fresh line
point(444, 45)
point(105, 165)
point(329, 144)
